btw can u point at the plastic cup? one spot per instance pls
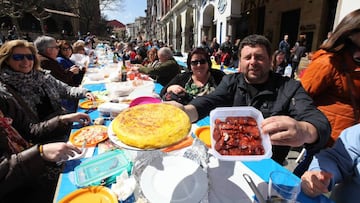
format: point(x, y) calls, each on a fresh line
point(283, 187)
point(131, 75)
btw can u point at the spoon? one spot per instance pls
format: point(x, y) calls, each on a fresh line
point(254, 188)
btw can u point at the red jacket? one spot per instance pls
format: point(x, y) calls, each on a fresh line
point(325, 81)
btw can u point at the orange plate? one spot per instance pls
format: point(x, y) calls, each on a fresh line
point(91, 131)
point(90, 105)
point(91, 195)
point(203, 133)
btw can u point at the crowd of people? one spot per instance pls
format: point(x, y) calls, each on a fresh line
point(40, 89)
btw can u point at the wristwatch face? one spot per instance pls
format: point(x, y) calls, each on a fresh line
point(222, 6)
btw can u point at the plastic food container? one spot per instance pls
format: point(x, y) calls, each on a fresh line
point(111, 109)
point(203, 133)
point(102, 169)
point(119, 89)
point(222, 113)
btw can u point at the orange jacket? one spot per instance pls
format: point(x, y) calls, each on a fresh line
point(326, 83)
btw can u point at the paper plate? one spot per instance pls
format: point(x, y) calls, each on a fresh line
point(174, 179)
point(144, 100)
point(93, 135)
point(93, 194)
point(203, 133)
point(90, 104)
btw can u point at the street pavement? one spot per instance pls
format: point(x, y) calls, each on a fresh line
point(290, 163)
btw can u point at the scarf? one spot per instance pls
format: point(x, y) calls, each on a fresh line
point(31, 87)
point(194, 90)
point(16, 143)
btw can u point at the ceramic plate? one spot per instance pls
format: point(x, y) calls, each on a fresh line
point(174, 179)
point(114, 139)
point(91, 195)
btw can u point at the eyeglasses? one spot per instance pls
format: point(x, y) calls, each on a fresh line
point(66, 49)
point(20, 57)
point(197, 62)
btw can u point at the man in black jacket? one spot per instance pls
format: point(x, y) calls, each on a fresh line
point(291, 119)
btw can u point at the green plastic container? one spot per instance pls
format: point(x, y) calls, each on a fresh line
point(102, 169)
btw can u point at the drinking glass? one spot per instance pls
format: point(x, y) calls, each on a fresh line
point(283, 187)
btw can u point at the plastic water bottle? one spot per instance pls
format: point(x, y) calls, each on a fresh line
point(288, 70)
point(222, 66)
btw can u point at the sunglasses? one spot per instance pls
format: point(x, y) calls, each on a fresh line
point(20, 57)
point(197, 62)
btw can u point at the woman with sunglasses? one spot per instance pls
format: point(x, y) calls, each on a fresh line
point(64, 61)
point(32, 97)
point(63, 58)
point(47, 52)
point(200, 80)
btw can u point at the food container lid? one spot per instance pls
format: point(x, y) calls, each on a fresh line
point(243, 111)
point(101, 167)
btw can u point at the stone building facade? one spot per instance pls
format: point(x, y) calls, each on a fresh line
point(184, 23)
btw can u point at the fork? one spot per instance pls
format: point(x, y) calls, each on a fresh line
point(83, 146)
point(94, 104)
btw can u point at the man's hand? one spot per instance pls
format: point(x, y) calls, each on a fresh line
point(284, 130)
point(177, 89)
point(314, 183)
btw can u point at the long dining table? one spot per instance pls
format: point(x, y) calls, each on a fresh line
point(261, 169)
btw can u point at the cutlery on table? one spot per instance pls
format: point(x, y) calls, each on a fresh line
point(94, 104)
point(253, 187)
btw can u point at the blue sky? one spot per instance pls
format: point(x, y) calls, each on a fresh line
point(130, 10)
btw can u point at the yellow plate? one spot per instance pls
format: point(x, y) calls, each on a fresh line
point(90, 195)
point(203, 133)
point(90, 104)
point(93, 135)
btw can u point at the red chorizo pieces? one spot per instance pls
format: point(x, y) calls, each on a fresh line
point(237, 135)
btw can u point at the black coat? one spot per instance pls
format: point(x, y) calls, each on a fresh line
point(280, 96)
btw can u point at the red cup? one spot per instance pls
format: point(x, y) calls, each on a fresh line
point(131, 76)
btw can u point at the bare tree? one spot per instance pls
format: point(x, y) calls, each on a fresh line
point(88, 10)
point(111, 4)
point(16, 9)
point(41, 15)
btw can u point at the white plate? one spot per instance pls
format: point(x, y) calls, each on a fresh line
point(114, 139)
point(174, 179)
